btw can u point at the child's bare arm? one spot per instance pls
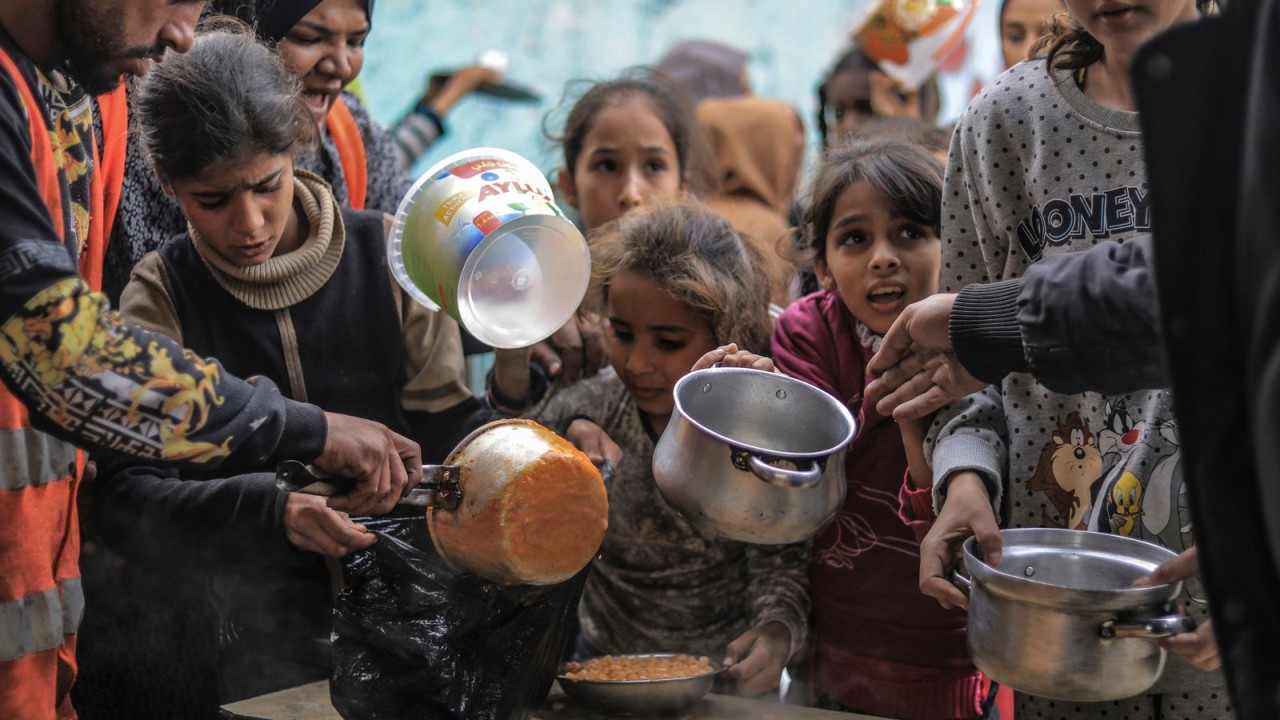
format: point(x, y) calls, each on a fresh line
point(913, 432)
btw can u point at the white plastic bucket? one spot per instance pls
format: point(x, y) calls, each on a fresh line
point(480, 238)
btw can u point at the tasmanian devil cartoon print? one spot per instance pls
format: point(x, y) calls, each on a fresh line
point(1069, 464)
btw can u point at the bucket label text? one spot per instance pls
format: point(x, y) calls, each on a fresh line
point(512, 186)
point(449, 207)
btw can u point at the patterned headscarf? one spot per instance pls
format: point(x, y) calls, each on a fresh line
point(272, 19)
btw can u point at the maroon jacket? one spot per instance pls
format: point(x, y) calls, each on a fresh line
point(880, 646)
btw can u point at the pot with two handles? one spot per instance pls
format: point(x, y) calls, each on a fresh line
point(753, 456)
point(1060, 618)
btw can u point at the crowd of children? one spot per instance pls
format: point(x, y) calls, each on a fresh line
point(275, 263)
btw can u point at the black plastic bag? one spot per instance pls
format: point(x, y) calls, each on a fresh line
point(414, 639)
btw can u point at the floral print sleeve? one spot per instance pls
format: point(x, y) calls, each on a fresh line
point(88, 377)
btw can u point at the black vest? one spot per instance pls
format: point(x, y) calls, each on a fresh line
point(349, 333)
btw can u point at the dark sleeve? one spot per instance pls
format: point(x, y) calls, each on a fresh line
point(1077, 322)
point(225, 524)
point(87, 377)
point(440, 432)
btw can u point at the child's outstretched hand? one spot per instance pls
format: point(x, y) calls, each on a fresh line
point(756, 658)
point(591, 439)
point(730, 356)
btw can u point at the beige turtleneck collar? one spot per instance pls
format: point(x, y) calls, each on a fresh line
point(288, 279)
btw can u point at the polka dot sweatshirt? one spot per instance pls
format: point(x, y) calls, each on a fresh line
point(1036, 168)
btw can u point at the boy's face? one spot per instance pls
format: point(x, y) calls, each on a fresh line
point(878, 262)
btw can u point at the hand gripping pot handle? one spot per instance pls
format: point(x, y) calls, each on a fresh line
point(1156, 627)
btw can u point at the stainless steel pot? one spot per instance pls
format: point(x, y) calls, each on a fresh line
point(1060, 619)
point(753, 456)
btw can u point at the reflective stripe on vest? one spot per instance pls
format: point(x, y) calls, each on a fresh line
point(346, 136)
point(38, 621)
point(41, 530)
point(30, 457)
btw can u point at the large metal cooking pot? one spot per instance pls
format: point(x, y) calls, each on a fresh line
point(533, 508)
point(753, 456)
point(1060, 617)
point(514, 503)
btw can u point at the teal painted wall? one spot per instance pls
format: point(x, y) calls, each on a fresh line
point(551, 42)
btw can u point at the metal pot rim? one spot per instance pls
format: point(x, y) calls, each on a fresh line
point(455, 455)
point(1039, 592)
point(778, 377)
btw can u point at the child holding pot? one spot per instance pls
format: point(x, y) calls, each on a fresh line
point(1048, 159)
point(879, 646)
point(675, 283)
point(274, 278)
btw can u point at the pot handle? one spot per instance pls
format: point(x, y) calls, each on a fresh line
point(784, 478)
point(1156, 627)
point(960, 580)
point(439, 486)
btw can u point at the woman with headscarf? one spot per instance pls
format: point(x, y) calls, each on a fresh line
point(322, 43)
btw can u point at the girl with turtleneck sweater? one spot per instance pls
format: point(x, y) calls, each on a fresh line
point(273, 277)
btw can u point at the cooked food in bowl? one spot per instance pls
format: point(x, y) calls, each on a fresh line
point(639, 684)
point(639, 667)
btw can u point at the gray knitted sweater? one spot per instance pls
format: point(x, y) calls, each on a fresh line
point(1036, 169)
point(658, 584)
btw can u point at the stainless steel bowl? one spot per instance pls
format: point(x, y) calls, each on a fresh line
point(640, 697)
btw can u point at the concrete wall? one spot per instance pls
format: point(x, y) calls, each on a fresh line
point(551, 42)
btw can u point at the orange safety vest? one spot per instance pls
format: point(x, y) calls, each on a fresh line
point(41, 600)
point(355, 166)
